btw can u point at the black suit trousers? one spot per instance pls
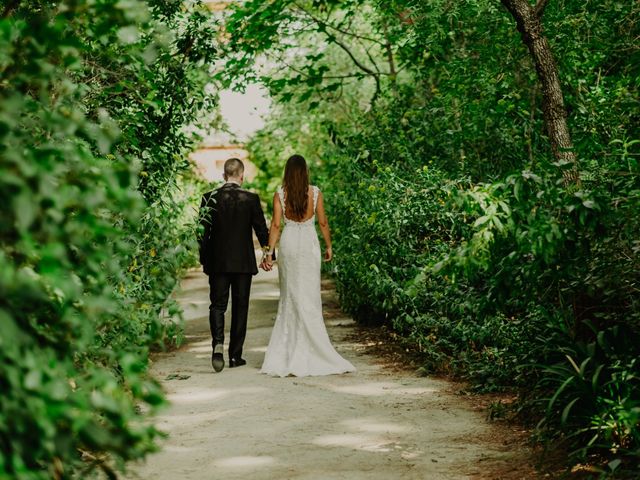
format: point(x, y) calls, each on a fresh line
point(240, 285)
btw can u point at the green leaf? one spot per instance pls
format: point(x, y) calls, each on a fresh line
point(26, 210)
point(573, 364)
point(559, 391)
point(596, 376)
point(481, 221)
point(614, 464)
point(129, 34)
point(567, 410)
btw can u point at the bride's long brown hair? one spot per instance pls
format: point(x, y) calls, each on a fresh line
point(296, 187)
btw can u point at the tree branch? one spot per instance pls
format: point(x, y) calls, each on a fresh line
point(10, 7)
point(282, 61)
point(539, 8)
point(370, 57)
point(337, 29)
point(362, 67)
point(333, 39)
point(357, 62)
point(389, 51)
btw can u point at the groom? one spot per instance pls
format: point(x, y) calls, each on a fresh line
point(228, 215)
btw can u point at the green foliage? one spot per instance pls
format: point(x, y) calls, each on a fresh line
point(595, 403)
point(94, 101)
point(451, 221)
point(382, 248)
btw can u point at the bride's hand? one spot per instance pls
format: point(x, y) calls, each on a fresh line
point(328, 255)
point(267, 263)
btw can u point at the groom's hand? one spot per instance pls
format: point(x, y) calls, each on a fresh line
point(266, 265)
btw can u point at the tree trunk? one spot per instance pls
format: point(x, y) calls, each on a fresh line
point(393, 74)
point(10, 7)
point(528, 21)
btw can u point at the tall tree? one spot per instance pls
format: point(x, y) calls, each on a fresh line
point(528, 19)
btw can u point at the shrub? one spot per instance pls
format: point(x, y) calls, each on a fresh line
point(94, 103)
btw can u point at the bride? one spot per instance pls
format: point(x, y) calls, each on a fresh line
point(299, 342)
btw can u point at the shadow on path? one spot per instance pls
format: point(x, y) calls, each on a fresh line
point(373, 424)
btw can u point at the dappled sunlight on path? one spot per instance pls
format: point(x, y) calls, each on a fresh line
point(377, 389)
point(375, 423)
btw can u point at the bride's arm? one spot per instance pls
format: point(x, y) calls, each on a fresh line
point(323, 221)
point(274, 230)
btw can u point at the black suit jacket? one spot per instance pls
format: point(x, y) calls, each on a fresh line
point(228, 215)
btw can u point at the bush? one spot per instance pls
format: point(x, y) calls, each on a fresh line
point(93, 107)
point(452, 219)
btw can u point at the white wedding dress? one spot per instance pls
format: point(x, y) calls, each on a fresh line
point(299, 342)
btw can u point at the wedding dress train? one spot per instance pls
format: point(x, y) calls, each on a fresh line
point(299, 343)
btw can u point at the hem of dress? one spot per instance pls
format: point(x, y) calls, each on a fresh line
point(291, 374)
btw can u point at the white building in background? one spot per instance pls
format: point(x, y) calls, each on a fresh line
point(217, 5)
point(210, 159)
point(243, 114)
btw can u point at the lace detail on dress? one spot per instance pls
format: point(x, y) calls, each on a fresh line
point(311, 220)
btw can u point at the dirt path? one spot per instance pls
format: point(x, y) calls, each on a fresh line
point(378, 423)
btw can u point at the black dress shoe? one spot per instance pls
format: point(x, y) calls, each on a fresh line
point(236, 362)
point(217, 358)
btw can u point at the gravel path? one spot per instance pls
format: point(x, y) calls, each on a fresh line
point(378, 423)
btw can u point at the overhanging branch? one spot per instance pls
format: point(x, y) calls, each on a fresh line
point(10, 7)
point(539, 8)
point(326, 24)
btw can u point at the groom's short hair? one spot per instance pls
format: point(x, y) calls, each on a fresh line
point(233, 168)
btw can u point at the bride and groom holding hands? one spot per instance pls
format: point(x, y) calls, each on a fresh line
point(299, 343)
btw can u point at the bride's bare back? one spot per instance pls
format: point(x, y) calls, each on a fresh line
point(310, 210)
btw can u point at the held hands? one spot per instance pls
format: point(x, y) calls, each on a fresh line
point(267, 259)
point(267, 263)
